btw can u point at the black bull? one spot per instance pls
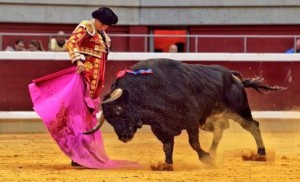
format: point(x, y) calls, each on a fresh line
point(179, 96)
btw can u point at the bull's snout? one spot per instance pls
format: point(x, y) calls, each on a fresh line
point(126, 135)
point(125, 138)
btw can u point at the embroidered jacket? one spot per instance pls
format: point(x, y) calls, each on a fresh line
point(87, 41)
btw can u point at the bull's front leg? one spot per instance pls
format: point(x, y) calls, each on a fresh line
point(168, 164)
point(168, 145)
point(168, 149)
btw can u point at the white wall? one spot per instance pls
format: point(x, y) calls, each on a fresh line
point(155, 12)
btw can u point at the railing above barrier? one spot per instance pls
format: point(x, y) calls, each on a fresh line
point(197, 41)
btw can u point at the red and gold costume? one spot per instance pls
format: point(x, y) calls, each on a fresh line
point(94, 46)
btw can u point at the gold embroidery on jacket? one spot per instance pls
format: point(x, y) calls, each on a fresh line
point(89, 27)
point(89, 51)
point(88, 65)
point(94, 80)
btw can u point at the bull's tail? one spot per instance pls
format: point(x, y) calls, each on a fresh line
point(257, 84)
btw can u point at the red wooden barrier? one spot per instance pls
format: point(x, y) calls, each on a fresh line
point(15, 75)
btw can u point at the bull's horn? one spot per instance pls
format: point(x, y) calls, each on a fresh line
point(114, 96)
point(97, 127)
point(236, 78)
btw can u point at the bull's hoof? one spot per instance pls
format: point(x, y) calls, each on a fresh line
point(162, 167)
point(212, 153)
point(208, 160)
point(254, 157)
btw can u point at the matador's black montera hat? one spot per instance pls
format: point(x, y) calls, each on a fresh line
point(106, 16)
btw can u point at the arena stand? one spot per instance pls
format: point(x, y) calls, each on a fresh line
point(19, 68)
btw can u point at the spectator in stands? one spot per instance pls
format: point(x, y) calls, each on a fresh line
point(295, 49)
point(19, 45)
point(58, 44)
point(35, 45)
point(173, 48)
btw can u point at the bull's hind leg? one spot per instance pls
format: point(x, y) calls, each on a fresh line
point(216, 124)
point(217, 136)
point(236, 99)
point(248, 123)
point(195, 144)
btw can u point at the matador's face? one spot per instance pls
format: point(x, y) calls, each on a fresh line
point(100, 26)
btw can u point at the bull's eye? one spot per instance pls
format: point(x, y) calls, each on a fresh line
point(118, 110)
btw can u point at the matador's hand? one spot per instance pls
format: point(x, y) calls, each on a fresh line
point(80, 66)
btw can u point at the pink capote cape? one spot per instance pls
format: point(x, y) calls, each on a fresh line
point(67, 110)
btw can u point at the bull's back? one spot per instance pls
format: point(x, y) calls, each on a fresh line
point(175, 78)
point(167, 70)
point(195, 76)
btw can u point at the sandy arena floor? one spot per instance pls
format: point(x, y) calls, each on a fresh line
point(35, 157)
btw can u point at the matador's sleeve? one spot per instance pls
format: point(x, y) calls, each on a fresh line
point(81, 32)
point(74, 43)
